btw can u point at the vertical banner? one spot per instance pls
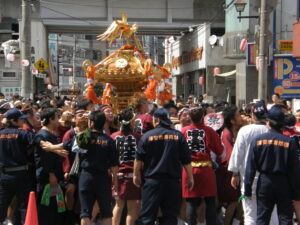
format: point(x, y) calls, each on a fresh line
point(286, 76)
point(53, 59)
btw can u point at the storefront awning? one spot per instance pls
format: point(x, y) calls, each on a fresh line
point(227, 74)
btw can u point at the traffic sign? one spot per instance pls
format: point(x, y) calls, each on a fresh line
point(41, 65)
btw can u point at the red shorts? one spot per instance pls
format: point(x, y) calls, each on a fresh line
point(204, 183)
point(127, 190)
point(226, 193)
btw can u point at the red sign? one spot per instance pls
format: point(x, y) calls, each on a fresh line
point(252, 53)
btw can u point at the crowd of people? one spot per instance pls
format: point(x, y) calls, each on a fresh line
point(148, 164)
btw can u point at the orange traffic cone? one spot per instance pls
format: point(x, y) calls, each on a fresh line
point(31, 215)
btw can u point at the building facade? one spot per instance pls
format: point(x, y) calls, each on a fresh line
point(281, 17)
point(194, 58)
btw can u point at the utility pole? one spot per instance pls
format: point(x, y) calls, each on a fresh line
point(26, 79)
point(74, 61)
point(263, 70)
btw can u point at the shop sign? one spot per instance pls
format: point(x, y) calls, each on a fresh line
point(252, 54)
point(286, 46)
point(187, 57)
point(10, 91)
point(286, 76)
point(41, 75)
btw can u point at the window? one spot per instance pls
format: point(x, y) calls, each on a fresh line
point(9, 74)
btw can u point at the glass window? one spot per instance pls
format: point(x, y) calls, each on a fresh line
point(9, 74)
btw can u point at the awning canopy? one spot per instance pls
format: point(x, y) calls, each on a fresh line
point(227, 74)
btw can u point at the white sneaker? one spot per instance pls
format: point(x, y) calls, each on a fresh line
point(7, 222)
point(181, 222)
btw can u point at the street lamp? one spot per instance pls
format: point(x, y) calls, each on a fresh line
point(240, 7)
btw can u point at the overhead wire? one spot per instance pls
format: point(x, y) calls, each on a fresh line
point(73, 17)
point(123, 7)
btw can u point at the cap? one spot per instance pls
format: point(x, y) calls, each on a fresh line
point(163, 115)
point(276, 115)
point(18, 103)
point(14, 114)
point(259, 109)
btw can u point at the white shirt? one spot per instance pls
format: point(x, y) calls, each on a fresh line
point(238, 159)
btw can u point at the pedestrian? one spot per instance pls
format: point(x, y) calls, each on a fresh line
point(238, 159)
point(48, 169)
point(32, 123)
point(290, 131)
point(202, 140)
point(227, 195)
point(143, 120)
point(14, 176)
point(297, 115)
point(184, 118)
point(275, 157)
point(71, 194)
point(162, 151)
point(127, 193)
point(95, 182)
point(109, 115)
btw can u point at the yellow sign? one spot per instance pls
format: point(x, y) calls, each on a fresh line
point(41, 65)
point(285, 45)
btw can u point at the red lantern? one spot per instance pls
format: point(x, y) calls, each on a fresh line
point(257, 63)
point(243, 44)
point(201, 81)
point(217, 70)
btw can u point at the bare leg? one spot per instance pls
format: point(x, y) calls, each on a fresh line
point(69, 196)
point(297, 210)
point(95, 212)
point(239, 212)
point(117, 212)
point(201, 212)
point(85, 221)
point(106, 221)
point(133, 211)
point(11, 209)
point(229, 214)
point(182, 210)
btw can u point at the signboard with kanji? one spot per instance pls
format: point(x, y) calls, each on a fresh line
point(41, 65)
point(10, 91)
point(286, 76)
point(40, 75)
point(285, 45)
point(252, 53)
